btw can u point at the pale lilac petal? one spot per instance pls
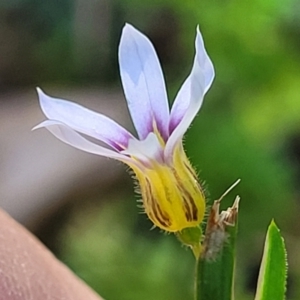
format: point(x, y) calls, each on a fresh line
point(180, 105)
point(71, 137)
point(147, 150)
point(195, 88)
point(85, 121)
point(206, 76)
point(204, 61)
point(143, 83)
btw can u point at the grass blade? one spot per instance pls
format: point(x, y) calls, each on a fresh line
point(273, 269)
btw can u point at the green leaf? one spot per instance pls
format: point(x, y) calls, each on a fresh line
point(215, 269)
point(273, 269)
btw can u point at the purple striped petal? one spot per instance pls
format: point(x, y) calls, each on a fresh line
point(190, 97)
point(85, 121)
point(206, 77)
point(143, 83)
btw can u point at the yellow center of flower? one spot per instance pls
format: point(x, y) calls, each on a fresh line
point(172, 196)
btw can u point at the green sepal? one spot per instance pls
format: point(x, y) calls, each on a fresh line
point(191, 237)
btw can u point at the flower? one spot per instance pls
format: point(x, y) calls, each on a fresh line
point(171, 195)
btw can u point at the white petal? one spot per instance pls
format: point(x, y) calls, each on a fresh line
point(84, 120)
point(190, 97)
point(180, 105)
point(71, 137)
point(204, 61)
point(206, 76)
point(146, 150)
point(143, 83)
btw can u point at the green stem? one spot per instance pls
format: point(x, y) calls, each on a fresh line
point(196, 285)
point(214, 277)
point(215, 266)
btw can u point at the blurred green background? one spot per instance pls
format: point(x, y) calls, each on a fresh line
point(248, 128)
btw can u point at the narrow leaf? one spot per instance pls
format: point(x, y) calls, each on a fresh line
point(273, 269)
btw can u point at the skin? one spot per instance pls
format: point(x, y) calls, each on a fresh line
point(28, 271)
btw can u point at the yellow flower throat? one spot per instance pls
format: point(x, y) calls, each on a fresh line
point(171, 194)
